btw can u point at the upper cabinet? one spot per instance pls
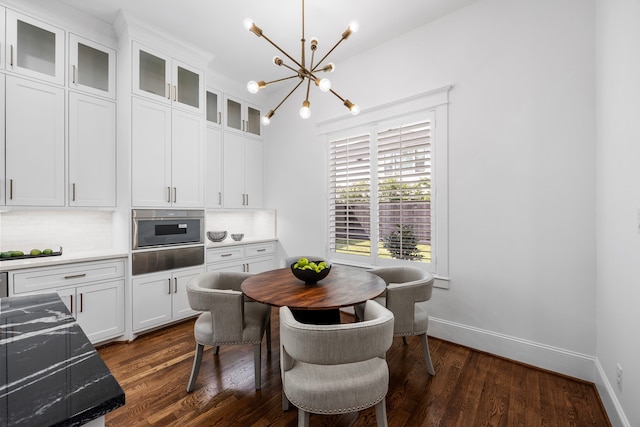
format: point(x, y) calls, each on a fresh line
point(2, 39)
point(242, 117)
point(92, 151)
point(214, 108)
point(162, 78)
point(35, 149)
point(34, 48)
point(92, 67)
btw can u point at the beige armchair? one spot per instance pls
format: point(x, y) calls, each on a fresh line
point(229, 317)
point(335, 369)
point(407, 293)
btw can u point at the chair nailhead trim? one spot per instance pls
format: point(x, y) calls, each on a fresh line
point(336, 411)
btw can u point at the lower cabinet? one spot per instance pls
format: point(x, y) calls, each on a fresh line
point(161, 298)
point(247, 258)
point(99, 309)
point(92, 291)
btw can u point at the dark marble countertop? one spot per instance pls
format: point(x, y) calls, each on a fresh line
point(50, 374)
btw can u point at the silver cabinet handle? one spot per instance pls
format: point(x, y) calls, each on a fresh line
point(71, 299)
point(168, 194)
point(175, 194)
point(11, 57)
point(225, 255)
point(81, 303)
point(75, 276)
point(11, 189)
point(219, 198)
point(169, 91)
point(219, 118)
point(169, 293)
point(74, 75)
point(175, 93)
point(175, 285)
point(73, 192)
point(261, 250)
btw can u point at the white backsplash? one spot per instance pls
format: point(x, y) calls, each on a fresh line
point(73, 230)
point(254, 224)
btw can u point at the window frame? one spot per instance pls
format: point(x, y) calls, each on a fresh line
point(370, 121)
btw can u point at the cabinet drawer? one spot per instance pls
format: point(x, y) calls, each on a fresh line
point(38, 279)
point(225, 254)
point(260, 249)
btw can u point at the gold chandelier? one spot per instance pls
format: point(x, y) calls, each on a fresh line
point(301, 71)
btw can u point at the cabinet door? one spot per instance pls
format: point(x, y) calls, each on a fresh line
point(233, 171)
point(2, 145)
point(34, 143)
point(214, 108)
point(213, 168)
point(238, 266)
point(258, 265)
point(180, 303)
point(100, 310)
point(92, 151)
point(254, 174)
point(187, 160)
point(233, 114)
point(34, 48)
point(151, 74)
point(150, 154)
point(253, 121)
point(92, 67)
point(151, 300)
point(3, 50)
point(188, 87)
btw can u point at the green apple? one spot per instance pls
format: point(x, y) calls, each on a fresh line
point(35, 252)
point(47, 251)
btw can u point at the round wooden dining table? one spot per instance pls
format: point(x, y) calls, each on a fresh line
point(314, 303)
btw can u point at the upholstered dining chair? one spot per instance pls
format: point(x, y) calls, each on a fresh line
point(229, 317)
point(407, 293)
point(335, 369)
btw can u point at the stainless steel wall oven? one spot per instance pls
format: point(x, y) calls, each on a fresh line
point(176, 237)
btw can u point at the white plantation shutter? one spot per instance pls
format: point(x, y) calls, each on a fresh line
point(404, 191)
point(350, 195)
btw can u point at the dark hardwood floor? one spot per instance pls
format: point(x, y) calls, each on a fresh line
point(470, 388)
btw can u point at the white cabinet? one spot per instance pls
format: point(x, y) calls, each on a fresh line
point(92, 67)
point(242, 117)
point(99, 309)
point(243, 172)
point(168, 80)
point(160, 298)
point(34, 129)
point(2, 145)
point(92, 291)
point(213, 169)
point(167, 156)
point(34, 48)
point(214, 108)
point(247, 258)
point(3, 50)
point(92, 151)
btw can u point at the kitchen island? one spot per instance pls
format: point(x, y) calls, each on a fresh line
point(50, 374)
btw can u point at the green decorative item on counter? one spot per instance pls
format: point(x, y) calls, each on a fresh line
point(35, 252)
point(47, 251)
point(17, 253)
point(5, 255)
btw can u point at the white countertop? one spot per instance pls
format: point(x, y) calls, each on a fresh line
point(229, 242)
point(65, 258)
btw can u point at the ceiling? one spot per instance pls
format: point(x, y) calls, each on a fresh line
point(216, 26)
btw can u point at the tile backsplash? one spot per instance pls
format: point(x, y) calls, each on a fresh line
point(73, 230)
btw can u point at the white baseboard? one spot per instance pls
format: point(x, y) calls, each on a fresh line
point(609, 398)
point(555, 359)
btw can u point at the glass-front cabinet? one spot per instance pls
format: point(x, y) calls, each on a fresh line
point(214, 108)
point(34, 48)
point(160, 77)
point(242, 117)
point(92, 67)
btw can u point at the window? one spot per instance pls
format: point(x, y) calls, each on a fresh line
point(383, 177)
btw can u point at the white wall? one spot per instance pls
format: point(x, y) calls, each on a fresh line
point(521, 167)
point(618, 203)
